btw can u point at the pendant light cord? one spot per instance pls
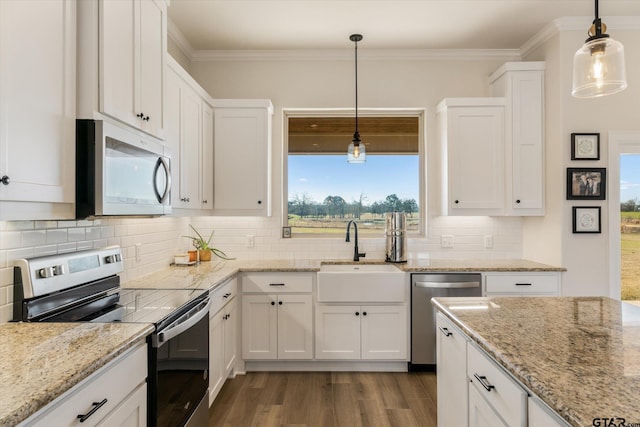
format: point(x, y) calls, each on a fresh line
point(357, 85)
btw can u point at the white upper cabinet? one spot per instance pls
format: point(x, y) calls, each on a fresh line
point(493, 148)
point(472, 148)
point(522, 86)
point(37, 109)
point(189, 117)
point(242, 157)
point(122, 57)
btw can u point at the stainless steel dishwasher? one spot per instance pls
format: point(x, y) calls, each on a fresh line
point(424, 286)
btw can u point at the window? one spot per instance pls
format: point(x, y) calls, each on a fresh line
point(324, 192)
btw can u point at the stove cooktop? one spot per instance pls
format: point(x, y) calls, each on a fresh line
point(149, 305)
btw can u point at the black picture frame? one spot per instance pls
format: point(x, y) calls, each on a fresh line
point(585, 146)
point(587, 219)
point(586, 183)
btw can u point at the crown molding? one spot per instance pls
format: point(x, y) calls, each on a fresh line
point(569, 23)
point(174, 33)
point(347, 55)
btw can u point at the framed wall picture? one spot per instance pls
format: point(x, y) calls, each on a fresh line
point(586, 183)
point(586, 219)
point(585, 146)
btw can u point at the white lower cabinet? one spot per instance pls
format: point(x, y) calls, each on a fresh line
point(277, 327)
point(361, 332)
point(115, 395)
point(502, 394)
point(474, 390)
point(451, 355)
point(223, 336)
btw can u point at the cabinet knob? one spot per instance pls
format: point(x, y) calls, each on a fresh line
point(364, 313)
point(204, 201)
point(456, 202)
point(146, 118)
point(273, 303)
point(140, 115)
point(279, 302)
point(184, 199)
point(259, 202)
point(5, 180)
point(518, 201)
point(357, 313)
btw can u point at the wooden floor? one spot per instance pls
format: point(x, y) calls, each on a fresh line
point(326, 399)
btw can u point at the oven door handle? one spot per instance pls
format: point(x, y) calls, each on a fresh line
point(185, 321)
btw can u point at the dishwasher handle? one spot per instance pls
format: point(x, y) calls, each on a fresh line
point(446, 285)
point(185, 322)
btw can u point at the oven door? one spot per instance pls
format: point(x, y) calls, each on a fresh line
point(178, 368)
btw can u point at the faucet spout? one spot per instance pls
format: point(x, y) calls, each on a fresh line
point(356, 254)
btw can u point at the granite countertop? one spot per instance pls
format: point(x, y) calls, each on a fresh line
point(581, 356)
point(40, 361)
point(209, 275)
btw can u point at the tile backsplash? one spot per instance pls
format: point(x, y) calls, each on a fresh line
point(156, 240)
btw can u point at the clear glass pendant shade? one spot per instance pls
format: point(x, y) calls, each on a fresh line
point(356, 153)
point(598, 69)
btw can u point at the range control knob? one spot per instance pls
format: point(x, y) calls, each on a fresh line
point(110, 259)
point(58, 270)
point(45, 272)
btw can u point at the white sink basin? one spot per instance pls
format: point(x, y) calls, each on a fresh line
point(362, 283)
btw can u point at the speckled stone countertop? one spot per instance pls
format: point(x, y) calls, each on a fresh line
point(211, 274)
point(581, 356)
point(40, 361)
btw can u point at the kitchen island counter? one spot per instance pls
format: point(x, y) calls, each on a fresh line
point(580, 356)
point(41, 361)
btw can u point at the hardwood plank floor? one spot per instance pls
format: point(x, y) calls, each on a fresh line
point(350, 399)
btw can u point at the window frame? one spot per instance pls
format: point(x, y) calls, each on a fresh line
point(420, 113)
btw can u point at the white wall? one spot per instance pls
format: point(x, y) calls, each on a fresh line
point(550, 239)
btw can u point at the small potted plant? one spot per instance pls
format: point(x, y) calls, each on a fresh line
point(203, 246)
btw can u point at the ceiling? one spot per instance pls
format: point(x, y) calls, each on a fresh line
point(221, 25)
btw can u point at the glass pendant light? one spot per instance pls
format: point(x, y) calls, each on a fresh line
point(356, 152)
point(598, 66)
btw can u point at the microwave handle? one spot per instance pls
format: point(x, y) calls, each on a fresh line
point(162, 198)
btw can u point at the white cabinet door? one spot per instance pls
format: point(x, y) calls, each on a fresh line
point(384, 332)
point(132, 412)
point(522, 85)
point(152, 50)
point(451, 359)
point(337, 332)
point(132, 62)
point(295, 327)
point(119, 52)
point(242, 157)
point(259, 327)
point(473, 141)
point(230, 336)
point(37, 108)
point(206, 170)
point(216, 355)
point(541, 416)
point(481, 414)
point(190, 127)
point(189, 130)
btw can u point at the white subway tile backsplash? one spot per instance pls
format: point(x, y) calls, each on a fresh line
point(11, 240)
point(58, 235)
point(45, 250)
point(67, 224)
point(92, 233)
point(20, 225)
point(41, 225)
point(84, 245)
point(34, 238)
point(67, 247)
point(76, 234)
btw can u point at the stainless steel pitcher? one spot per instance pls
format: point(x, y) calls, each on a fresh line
point(395, 231)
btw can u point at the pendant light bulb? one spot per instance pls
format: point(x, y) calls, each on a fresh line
point(356, 151)
point(598, 66)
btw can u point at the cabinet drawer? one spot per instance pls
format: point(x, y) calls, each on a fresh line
point(501, 392)
point(113, 384)
point(277, 282)
point(222, 295)
point(525, 283)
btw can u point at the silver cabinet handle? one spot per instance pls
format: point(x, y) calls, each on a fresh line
point(483, 381)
